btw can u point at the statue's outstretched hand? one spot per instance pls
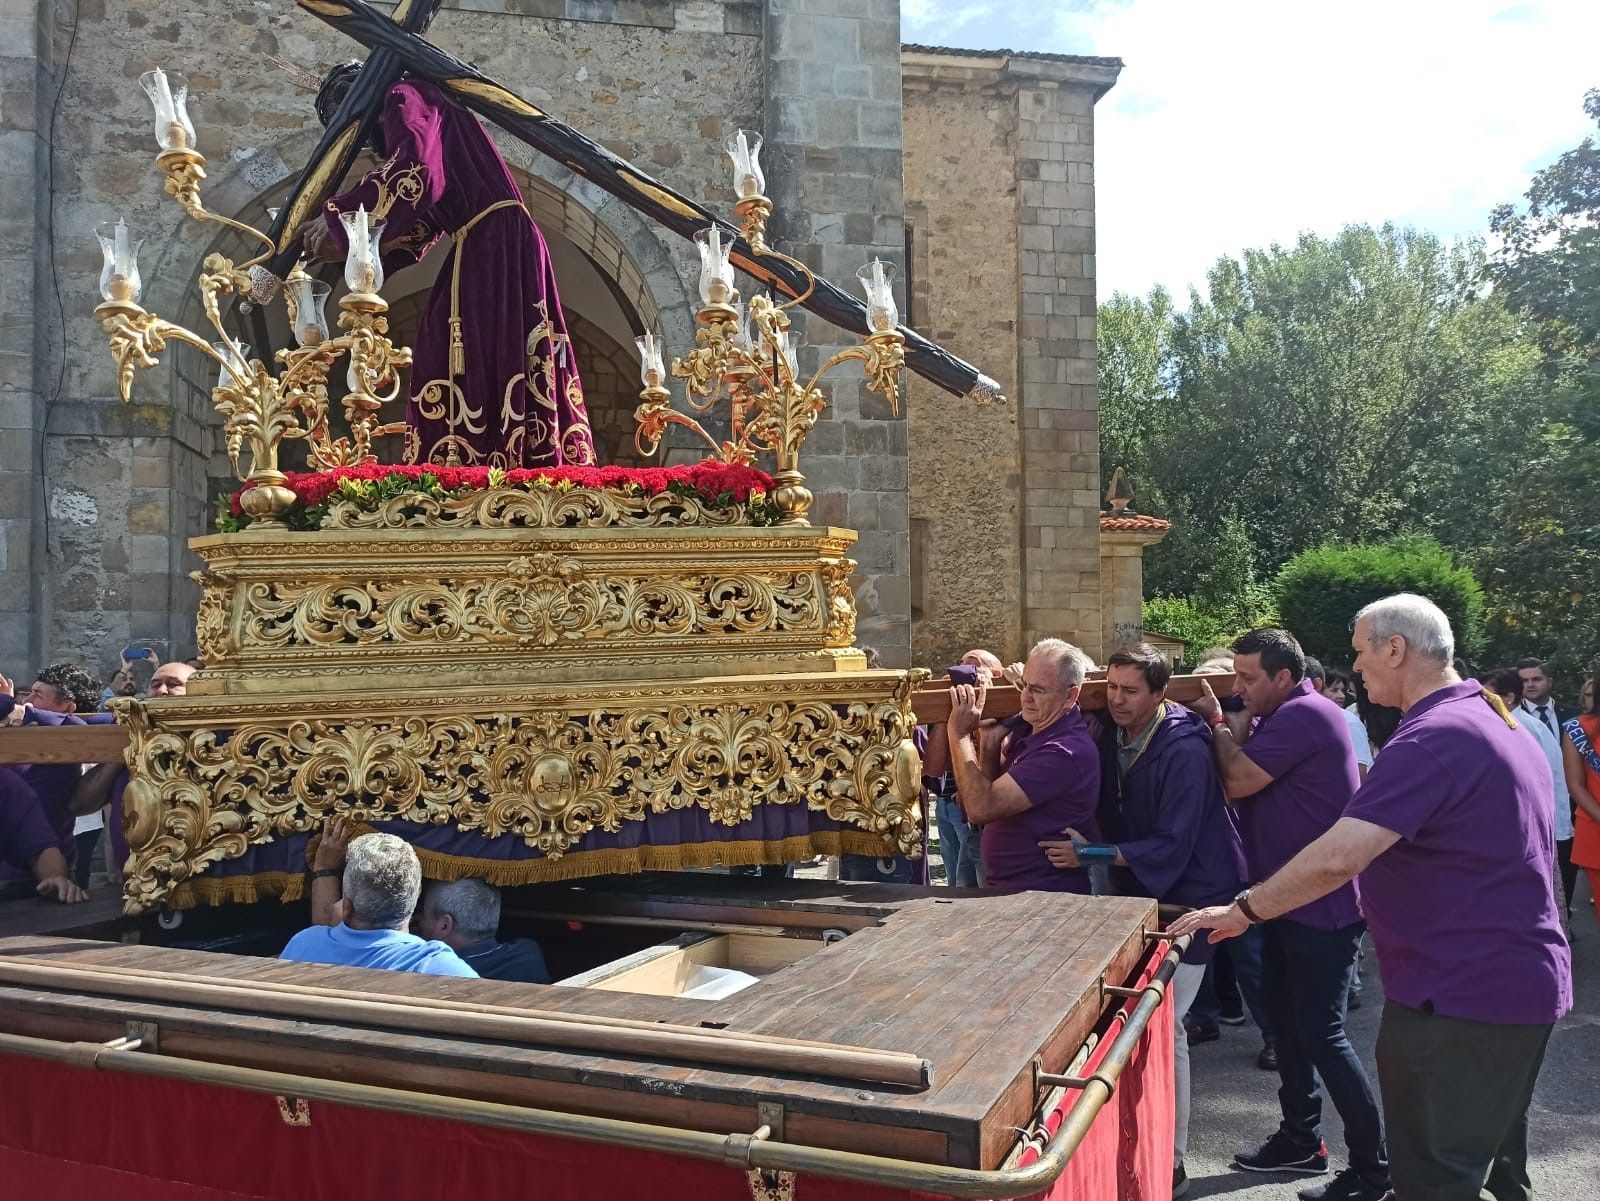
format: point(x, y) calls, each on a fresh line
point(318, 243)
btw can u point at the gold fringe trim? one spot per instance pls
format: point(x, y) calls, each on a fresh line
point(575, 865)
point(237, 890)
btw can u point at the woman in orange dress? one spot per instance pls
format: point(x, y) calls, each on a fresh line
point(1580, 749)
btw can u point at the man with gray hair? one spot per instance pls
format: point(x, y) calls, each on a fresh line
point(1451, 838)
point(382, 880)
point(465, 916)
point(1035, 785)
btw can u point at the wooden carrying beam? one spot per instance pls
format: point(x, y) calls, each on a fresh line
point(62, 744)
point(580, 1033)
point(931, 702)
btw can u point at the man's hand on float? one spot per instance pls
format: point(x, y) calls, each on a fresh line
point(335, 844)
point(1206, 704)
point(966, 707)
point(18, 711)
point(1224, 921)
point(60, 888)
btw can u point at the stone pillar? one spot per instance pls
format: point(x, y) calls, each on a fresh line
point(28, 61)
point(832, 106)
point(1122, 543)
point(1058, 401)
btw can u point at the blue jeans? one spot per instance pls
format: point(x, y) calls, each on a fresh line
point(958, 844)
point(1305, 983)
point(1243, 955)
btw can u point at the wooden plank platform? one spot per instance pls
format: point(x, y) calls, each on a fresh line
point(977, 984)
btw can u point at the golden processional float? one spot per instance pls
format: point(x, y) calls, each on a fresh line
point(597, 654)
point(560, 680)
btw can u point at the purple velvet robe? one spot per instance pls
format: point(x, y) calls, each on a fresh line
point(516, 400)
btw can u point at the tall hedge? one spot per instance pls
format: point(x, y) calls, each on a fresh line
point(1319, 591)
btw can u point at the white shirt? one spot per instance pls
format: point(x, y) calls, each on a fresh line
point(1551, 746)
point(1538, 712)
point(1358, 737)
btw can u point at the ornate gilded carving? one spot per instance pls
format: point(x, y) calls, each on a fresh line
point(841, 602)
point(514, 508)
point(538, 600)
point(211, 779)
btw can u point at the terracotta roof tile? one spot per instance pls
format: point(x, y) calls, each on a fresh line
point(1132, 521)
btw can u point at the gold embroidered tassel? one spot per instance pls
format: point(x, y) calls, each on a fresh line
point(458, 350)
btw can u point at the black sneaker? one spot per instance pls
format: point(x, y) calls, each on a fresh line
point(1348, 1185)
point(1279, 1154)
point(1267, 1061)
point(1198, 1034)
point(1232, 1019)
point(1180, 1182)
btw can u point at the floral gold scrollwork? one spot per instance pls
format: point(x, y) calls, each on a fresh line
point(538, 600)
point(841, 603)
point(547, 773)
point(513, 508)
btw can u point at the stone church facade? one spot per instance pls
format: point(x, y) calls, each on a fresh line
point(978, 526)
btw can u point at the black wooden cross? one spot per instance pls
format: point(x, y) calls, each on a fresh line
point(397, 47)
point(358, 114)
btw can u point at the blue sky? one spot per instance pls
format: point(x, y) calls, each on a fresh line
point(1239, 123)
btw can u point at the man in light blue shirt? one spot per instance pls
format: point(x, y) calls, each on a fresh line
point(382, 882)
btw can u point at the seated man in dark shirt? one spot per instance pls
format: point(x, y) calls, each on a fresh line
point(465, 915)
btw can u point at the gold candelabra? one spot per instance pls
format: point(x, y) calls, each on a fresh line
point(744, 353)
point(260, 410)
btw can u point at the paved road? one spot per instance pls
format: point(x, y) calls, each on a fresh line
point(1235, 1103)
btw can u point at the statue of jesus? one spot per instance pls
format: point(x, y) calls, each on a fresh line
point(493, 379)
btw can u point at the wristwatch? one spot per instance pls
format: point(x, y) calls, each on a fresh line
point(323, 873)
point(1243, 901)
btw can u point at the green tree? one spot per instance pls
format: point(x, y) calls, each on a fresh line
point(1340, 390)
point(1543, 565)
point(1319, 591)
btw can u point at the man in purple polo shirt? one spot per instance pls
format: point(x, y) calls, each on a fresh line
point(29, 843)
point(1051, 777)
point(1451, 838)
point(1288, 768)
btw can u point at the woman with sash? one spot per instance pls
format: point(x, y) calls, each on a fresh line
point(1580, 749)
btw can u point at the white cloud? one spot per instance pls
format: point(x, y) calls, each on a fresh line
point(1238, 123)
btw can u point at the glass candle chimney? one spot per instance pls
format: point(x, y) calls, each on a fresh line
point(716, 271)
point(744, 148)
point(170, 96)
point(877, 280)
point(363, 264)
point(307, 299)
point(233, 373)
point(652, 371)
point(119, 274)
